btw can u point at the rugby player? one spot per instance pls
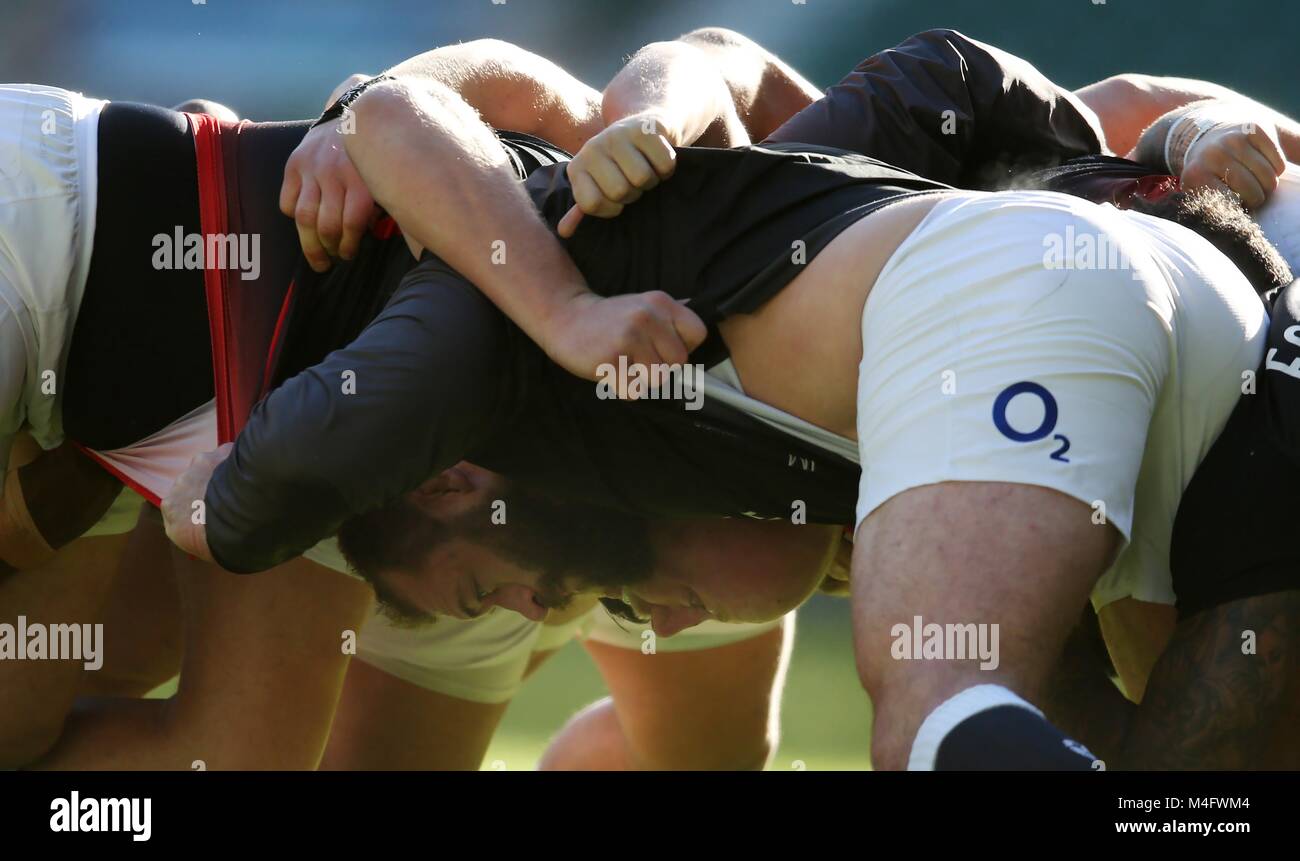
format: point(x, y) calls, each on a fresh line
point(1221, 591)
point(992, 468)
point(109, 409)
point(1206, 136)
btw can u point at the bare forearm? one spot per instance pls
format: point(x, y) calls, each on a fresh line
point(1150, 149)
point(440, 172)
point(1129, 104)
point(1177, 92)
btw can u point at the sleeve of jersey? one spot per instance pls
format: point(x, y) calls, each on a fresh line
point(409, 397)
point(949, 108)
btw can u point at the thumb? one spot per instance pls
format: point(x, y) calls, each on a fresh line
point(569, 223)
point(690, 328)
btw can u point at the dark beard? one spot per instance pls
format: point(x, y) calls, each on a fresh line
point(601, 548)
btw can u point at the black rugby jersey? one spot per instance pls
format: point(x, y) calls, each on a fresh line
point(441, 375)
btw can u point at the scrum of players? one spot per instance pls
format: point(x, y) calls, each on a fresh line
point(961, 332)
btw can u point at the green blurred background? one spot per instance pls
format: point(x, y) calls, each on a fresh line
point(278, 60)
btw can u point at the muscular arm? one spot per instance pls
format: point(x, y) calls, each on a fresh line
point(707, 84)
point(1128, 104)
point(765, 90)
point(440, 172)
point(681, 86)
point(1214, 703)
point(512, 89)
point(462, 86)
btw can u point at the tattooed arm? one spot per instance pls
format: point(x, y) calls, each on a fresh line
point(1226, 693)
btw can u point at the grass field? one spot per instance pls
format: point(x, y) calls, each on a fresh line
point(826, 719)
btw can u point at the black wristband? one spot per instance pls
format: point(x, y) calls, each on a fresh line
point(335, 110)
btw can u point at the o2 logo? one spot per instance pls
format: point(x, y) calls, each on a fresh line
point(1050, 413)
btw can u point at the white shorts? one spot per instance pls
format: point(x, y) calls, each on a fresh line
point(48, 185)
point(995, 349)
point(483, 660)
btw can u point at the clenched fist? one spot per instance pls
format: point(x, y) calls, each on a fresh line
point(615, 167)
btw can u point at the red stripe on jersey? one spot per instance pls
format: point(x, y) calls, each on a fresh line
point(276, 337)
point(120, 475)
point(213, 219)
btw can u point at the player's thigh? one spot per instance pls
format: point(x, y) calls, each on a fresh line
point(264, 661)
point(71, 588)
point(1015, 561)
point(429, 696)
point(384, 723)
point(699, 709)
point(1226, 693)
point(143, 614)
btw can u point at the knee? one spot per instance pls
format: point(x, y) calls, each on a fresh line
point(886, 745)
point(25, 740)
point(874, 671)
point(891, 742)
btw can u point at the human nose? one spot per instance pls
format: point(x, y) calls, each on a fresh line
point(520, 599)
point(667, 621)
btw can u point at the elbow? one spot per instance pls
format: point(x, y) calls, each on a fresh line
point(487, 50)
point(389, 102)
point(396, 121)
point(1131, 82)
point(716, 37)
point(1128, 88)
